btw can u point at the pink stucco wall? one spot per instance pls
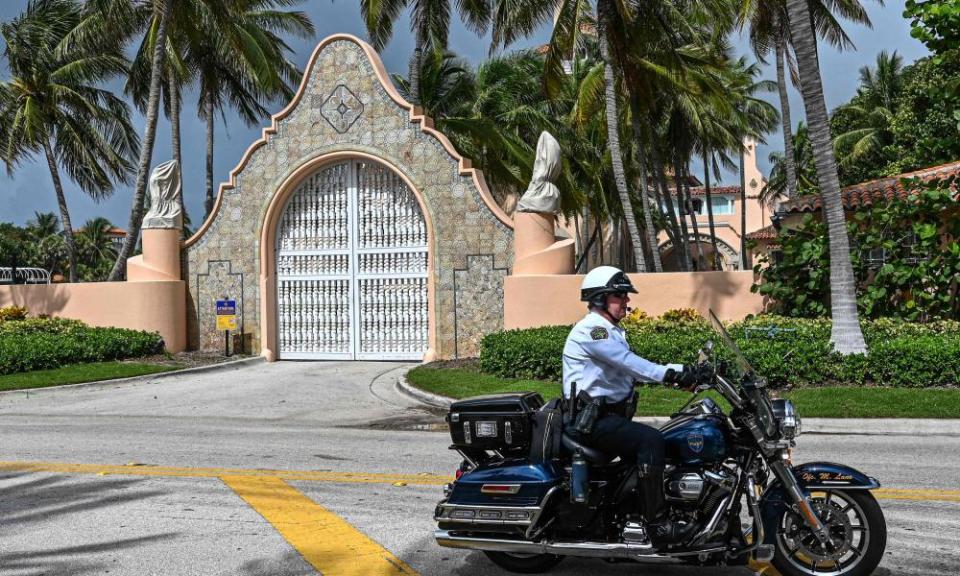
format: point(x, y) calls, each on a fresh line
point(153, 306)
point(546, 300)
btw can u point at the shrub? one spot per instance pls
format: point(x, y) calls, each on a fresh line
point(681, 315)
point(532, 353)
point(787, 351)
point(12, 313)
point(37, 344)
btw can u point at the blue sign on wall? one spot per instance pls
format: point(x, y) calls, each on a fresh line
point(226, 307)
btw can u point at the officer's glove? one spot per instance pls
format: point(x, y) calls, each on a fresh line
point(685, 379)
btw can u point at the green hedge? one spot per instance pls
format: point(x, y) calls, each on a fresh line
point(37, 344)
point(796, 352)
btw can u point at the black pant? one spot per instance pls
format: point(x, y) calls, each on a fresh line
point(632, 441)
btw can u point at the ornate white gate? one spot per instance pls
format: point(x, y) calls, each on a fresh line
point(352, 267)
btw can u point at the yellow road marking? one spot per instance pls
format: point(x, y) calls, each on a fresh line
point(917, 494)
point(763, 569)
point(424, 479)
point(327, 542)
point(300, 475)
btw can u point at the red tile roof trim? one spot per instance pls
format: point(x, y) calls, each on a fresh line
point(882, 189)
point(765, 233)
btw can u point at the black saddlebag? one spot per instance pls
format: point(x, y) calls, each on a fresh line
point(495, 422)
point(547, 432)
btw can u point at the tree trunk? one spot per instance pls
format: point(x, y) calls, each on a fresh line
point(146, 152)
point(208, 110)
point(682, 209)
point(416, 65)
point(64, 212)
point(846, 335)
point(681, 251)
point(713, 229)
point(578, 241)
point(613, 138)
point(743, 211)
point(646, 205)
point(785, 120)
point(174, 91)
point(701, 262)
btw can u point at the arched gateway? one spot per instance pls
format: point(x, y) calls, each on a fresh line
point(352, 267)
point(351, 229)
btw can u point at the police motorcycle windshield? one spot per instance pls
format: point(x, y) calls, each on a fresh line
point(742, 363)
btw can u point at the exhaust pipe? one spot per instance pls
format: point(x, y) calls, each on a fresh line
point(581, 549)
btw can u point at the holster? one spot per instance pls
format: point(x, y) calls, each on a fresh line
point(588, 411)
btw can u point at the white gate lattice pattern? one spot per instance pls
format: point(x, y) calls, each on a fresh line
point(352, 267)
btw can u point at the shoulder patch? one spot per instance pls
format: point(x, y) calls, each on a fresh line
point(599, 333)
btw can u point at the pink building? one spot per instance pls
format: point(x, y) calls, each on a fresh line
point(726, 202)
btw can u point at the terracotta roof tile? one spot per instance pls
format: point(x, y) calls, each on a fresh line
point(882, 189)
point(765, 233)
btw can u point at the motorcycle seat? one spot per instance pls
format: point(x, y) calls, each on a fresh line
point(591, 455)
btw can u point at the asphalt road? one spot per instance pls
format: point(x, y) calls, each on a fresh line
point(288, 468)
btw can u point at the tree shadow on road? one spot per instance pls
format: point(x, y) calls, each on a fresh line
point(45, 498)
point(290, 564)
point(67, 560)
point(27, 500)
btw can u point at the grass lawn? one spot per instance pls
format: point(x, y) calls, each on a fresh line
point(77, 373)
point(838, 402)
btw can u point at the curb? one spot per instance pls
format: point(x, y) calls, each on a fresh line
point(220, 366)
point(428, 398)
point(814, 426)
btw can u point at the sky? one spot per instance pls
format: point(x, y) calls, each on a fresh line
point(29, 189)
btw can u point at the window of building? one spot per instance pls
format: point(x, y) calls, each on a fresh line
point(722, 206)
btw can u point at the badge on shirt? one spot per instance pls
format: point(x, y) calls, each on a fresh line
point(599, 333)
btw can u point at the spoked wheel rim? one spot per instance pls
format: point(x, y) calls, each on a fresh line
point(847, 526)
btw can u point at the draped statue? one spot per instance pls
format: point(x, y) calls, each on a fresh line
point(164, 212)
point(542, 195)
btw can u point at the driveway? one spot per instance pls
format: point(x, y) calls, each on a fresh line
point(300, 468)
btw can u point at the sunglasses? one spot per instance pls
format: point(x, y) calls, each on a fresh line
point(620, 295)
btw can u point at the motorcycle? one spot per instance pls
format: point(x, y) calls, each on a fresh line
point(528, 494)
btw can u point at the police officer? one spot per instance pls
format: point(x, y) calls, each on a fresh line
point(598, 363)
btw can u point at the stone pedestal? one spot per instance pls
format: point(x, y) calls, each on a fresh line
point(537, 249)
point(160, 259)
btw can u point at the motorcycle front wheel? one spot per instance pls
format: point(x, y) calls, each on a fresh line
point(857, 530)
point(523, 563)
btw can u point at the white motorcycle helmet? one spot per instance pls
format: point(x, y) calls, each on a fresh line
point(601, 281)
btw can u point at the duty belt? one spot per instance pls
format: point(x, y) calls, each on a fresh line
point(607, 408)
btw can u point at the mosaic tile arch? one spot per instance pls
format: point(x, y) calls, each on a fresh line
point(347, 110)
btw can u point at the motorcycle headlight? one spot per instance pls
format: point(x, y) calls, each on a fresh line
point(788, 420)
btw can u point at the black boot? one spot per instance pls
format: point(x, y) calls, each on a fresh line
point(661, 529)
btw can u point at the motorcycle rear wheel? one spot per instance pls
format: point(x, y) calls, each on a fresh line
point(856, 524)
point(523, 563)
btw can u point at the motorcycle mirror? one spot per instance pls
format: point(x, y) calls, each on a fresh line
point(706, 351)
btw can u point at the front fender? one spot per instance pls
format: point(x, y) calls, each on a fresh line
point(811, 476)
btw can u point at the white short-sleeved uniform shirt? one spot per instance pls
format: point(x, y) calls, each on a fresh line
point(597, 357)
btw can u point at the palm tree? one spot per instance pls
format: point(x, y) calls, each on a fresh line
point(117, 21)
point(803, 160)
point(232, 49)
point(53, 105)
point(757, 118)
point(98, 250)
point(429, 22)
point(769, 29)
point(605, 8)
point(513, 20)
point(846, 335)
point(43, 224)
point(241, 61)
point(872, 111)
point(175, 76)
